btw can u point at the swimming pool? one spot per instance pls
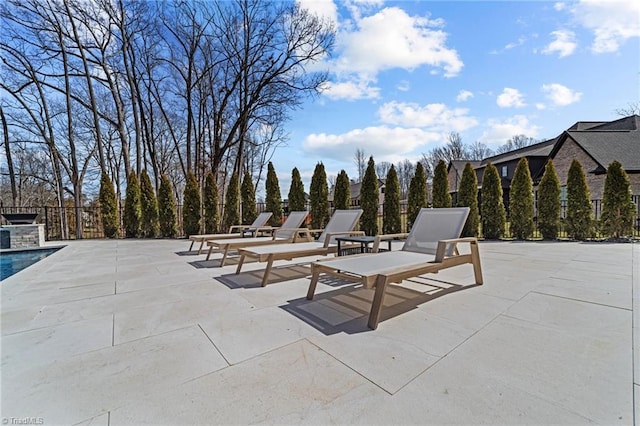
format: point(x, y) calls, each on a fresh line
point(14, 261)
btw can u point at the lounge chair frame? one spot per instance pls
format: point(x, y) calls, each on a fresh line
point(324, 247)
point(288, 233)
point(446, 256)
point(237, 231)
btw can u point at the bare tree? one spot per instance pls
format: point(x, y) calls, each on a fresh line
point(360, 160)
point(516, 142)
point(406, 169)
point(382, 168)
point(455, 149)
point(632, 108)
point(7, 151)
point(478, 151)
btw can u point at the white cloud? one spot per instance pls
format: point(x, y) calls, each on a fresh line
point(464, 95)
point(559, 6)
point(391, 38)
point(351, 90)
point(325, 9)
point(501, 131)
point(435, 117)
point(612, 22)
point(540, 106)
point(564, 43)
point(520, 42)
point(384, 143)
point(560, 95)
point(403, 86)
point(510, 98)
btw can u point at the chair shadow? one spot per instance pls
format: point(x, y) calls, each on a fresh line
point(215, 263)
point(188, 253)
point(347, 309)
point(253, 279)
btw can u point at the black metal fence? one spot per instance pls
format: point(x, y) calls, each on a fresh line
point(91, 223)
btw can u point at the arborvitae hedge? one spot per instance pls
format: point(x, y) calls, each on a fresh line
point(441, 196)
point(132, 207)
point(232, 203)
point(342, 193)
point(149, 225)
point(296, 199)
point(167, 215)
point(468, 197)
point(493, 213)
point(391, 207)
point(273, 202)
point(549, 203)
point(369, 200)
point(618, 209)
point(521, 201)
point(417, 197)
point(191, 206)
point(579, 220)
point(108, 207)
point(211, 203)
point(248, 195)
point(319, 198)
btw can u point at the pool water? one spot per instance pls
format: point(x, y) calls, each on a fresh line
point(12, 262)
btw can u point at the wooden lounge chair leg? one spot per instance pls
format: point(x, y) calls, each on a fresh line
point(378, 299)
point(265, 277)
point(224, 256)
point(315, 274)
point(475, 260)
point(191, 246)
point(209, 252)
point(240, 262)
point(200, 248)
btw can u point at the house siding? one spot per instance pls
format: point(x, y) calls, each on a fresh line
point(454, 178)
point(569, 151)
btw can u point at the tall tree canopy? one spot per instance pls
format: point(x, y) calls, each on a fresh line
point(174, 87)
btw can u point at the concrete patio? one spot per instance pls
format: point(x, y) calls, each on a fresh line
point(130, 332)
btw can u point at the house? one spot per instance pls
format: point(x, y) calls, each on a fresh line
point(594, 143)
point(506, 164)
point(354, 192)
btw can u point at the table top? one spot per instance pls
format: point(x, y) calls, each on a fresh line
point(357, 239)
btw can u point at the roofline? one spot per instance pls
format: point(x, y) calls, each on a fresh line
point(561, 140)
point(524, 148)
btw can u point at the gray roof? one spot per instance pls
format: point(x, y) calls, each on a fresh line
point(541, 149)
point(586, 125)
point(607, 146)
point(460, 164)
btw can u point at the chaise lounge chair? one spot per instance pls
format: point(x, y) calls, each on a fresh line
point(290, 231)
point(430, 247)
point(236, 231)
point(341, 223)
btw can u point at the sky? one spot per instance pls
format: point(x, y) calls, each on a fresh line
point(403, 75)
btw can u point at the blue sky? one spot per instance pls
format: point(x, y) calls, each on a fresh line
point(405, 74)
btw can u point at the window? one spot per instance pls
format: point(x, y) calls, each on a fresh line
point(504, 171)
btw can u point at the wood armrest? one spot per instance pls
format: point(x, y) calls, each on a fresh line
point(442, 246)
point(305, 234)
point(238, 228)
point(386, 237)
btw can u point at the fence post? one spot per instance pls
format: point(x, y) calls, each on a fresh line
point(46, 222)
